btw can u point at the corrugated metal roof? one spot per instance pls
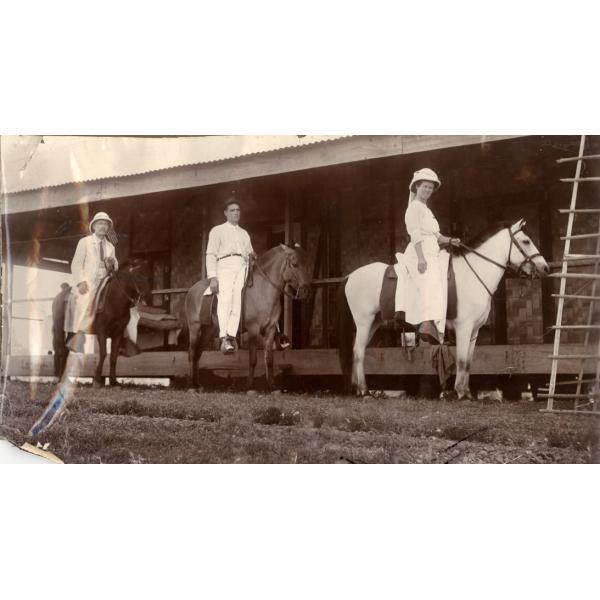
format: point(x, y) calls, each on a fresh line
point(35, 162)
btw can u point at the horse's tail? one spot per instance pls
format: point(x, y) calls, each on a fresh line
point(346, 330)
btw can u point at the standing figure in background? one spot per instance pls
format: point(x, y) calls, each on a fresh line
point(59, 346)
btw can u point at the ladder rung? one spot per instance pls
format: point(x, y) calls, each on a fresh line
point(577, 297)
point(573, 382)
point(575, 327)
point(575, 275)
point(574, 356)
point(575, 158)
point(578, 179)
point(579, 210)
point(581, 236)
point(568, 395)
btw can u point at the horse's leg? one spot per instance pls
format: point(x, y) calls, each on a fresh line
point(365, 330)
point(194, 330)
point(252, 355)
point(115, 343)
point(269, 338)
point(472, 342)
point(463, 342)
point(98, 379)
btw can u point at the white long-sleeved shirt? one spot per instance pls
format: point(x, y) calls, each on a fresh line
point(86, 264)
point(223, 240)
point(420, 222)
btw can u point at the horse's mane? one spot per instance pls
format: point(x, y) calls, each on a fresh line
point(487, 233)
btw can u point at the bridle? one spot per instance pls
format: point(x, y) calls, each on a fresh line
point(281, 289)
point(138, 297)
point(519, 270)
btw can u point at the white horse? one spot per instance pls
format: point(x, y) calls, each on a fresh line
point(478, 272)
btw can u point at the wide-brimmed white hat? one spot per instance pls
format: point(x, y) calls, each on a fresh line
point(100, 216)
point(424, 175)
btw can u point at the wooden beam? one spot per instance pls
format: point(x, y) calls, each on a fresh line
point(344, 150)
point(488, 360)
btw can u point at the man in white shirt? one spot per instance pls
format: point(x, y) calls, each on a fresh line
point(227, 254)
point(93, 259)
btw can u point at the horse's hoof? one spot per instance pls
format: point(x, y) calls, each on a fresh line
point(97, 384)
point(448, 395)
point(114, 383)
point(466, 397)
point(251, 393)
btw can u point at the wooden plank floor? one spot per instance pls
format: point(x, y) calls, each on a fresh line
point(489, 360)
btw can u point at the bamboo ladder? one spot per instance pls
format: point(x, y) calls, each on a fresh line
point(583, 402)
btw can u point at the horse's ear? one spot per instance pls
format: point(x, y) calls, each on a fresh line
point(297, 245)
point(519, 225)
point(285, 248)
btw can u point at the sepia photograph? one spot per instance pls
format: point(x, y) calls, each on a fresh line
point(299, 300)
point(349, 299)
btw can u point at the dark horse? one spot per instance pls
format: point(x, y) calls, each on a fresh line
point(124, 290)
point(274, 271)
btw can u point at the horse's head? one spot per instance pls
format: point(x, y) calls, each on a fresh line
point(137, 273)
point(523, 256)
point(295, 271)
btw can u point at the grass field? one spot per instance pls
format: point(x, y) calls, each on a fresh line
point(145, 425)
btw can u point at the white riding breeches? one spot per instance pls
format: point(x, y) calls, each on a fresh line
point(231, 274)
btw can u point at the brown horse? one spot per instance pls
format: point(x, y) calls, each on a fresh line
point(274, 271)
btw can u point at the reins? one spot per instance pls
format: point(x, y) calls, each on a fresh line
point(133, 301)
point(505, 267)
point(281, 289)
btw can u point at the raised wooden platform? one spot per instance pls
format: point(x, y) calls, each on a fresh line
point(489, 360)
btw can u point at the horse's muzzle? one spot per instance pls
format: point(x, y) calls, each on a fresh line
point(303, 292)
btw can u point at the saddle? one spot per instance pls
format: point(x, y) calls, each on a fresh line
point(387, 295)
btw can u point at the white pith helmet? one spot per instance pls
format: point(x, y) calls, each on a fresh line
point(100, 216)
point(424, 175)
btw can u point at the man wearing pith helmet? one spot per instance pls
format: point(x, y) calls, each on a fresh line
point(227, 253)
point(94, 258)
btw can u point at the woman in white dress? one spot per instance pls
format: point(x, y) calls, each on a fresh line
point(422, 254)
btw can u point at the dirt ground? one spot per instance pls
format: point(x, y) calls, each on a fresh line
point(158, 425)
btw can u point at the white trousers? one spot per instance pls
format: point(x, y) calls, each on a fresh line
point(431, 287)
point(231, 274)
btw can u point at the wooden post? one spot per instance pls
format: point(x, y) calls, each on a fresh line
point(204, 238)
point(288, 233)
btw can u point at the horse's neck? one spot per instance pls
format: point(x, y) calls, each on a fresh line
point(271, 268)
point(495, 249)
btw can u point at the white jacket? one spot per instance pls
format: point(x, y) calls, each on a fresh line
point(86, 264)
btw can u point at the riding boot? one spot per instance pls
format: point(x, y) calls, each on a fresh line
point(282, 341)
point(428, 332)
point(226, 346)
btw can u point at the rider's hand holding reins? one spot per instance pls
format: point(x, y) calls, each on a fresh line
point(110, 263)
point(83, 287)
point(214, 285)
